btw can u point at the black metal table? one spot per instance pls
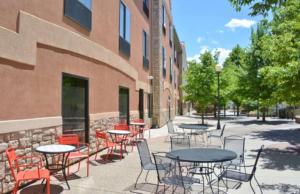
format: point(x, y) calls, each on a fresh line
point(196, 129)
point(52, 149)
point(203, 155)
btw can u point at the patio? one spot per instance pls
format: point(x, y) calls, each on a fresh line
point(278, 169)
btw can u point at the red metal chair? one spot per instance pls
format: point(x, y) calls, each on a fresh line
point(140, 129)
point(107, 143)
point(26, 174)
point(83, 149)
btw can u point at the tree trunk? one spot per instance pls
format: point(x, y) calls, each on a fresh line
point(237, 110)
point(264, 115)
point(202, 117)
point(215, 110)
point(224, 111)
point(234, 109)
point(257, 113)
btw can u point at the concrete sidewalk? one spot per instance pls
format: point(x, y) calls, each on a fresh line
point(278, 170)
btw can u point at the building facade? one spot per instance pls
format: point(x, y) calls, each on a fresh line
point(74, 66)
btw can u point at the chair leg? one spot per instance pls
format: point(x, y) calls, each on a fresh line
point(252, 187)
point(16, 188)
point(48, 186)
point(68, 171)
point(107, 154)
point(138, 178)
point(88, 166)
point(78, 166)
point(258, 184)
point(147, 175)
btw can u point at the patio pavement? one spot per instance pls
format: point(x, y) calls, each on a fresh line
point(278, 170)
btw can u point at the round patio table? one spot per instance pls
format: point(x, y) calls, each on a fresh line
point(202, 155)
point(137, 127)
point(196, 129)
point(51, 149)
point(123, 133)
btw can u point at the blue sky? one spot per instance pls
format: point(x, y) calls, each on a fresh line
point(210, 25)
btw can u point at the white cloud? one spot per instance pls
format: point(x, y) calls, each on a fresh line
point(224, 53)
point(200, 39)
point(195, 57)
point(239, 23)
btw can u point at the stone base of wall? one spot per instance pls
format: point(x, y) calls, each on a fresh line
point(297, 117)
point(24, 143)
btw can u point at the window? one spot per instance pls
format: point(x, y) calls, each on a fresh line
point(164, 62)
point(175, 83)
point(171, 69)
point(150, 105)
point(80, 12)
point(146, 7)
point(145, 50)
point(164, 19)
point(86, 3)
point(124, 39)
point(171, 35)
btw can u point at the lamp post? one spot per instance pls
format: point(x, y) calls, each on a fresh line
point(218, 71)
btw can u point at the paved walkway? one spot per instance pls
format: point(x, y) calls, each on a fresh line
point(278, 170)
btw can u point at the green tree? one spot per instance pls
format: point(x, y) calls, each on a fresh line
point(200, 78)
point(255, 87)
point(282, 48)
point(258, 7)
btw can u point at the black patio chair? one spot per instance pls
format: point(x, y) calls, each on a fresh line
point(145, 159)
point(236, 144)
point(171, 129)
point(218, 135)
point(242, 176)
point(169, 172)
point(180, 142)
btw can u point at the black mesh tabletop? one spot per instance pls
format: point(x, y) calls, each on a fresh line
point(203, 155)
point(193, 126)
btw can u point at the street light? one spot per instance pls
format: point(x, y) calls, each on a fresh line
point(218, 71)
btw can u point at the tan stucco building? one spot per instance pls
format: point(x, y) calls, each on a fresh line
point(78, 65)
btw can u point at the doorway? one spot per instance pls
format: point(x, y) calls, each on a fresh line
point(141, 104)
point(75, 106)
point(124, 105)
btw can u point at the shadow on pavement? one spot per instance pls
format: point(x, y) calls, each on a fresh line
point(282, 188)
point(260, 122)
point(280, 135)
point(37, 189)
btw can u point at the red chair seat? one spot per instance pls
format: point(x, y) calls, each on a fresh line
point(33, 174)
point(74, 155)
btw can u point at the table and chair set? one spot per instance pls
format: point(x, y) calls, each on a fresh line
point(185, 165)
point(58, 157)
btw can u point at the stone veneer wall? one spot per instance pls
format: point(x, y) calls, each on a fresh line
point(24, 143)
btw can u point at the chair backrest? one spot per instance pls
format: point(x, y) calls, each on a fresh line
point(138, 120)
point(180, 142)
point(256, 161)
point(144, 153)
point(69, 139)
point(236, 144)
point(12, 161)
point(222, 131)
point(102, 135)
point(168, 168)
point(170, 127)
point(121, 126)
